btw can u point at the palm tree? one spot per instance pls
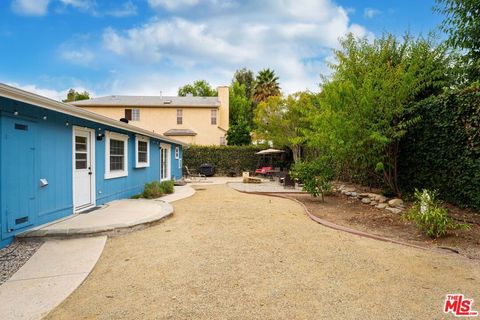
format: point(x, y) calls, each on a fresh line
point(266, 85)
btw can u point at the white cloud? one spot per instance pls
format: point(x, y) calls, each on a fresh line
point(58, 95)
point(83, 57)
point(30, 7)
point(40, 7)
point(79, 4)
point(370, 13)
point(293, 38)
point(127, 9)
point(77, 51)
point(172, 4)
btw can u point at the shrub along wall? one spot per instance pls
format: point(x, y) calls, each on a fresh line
point(225, 158)
point(443, 151)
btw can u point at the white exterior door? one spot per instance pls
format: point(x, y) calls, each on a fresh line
point(165, 159)
point(83, 169)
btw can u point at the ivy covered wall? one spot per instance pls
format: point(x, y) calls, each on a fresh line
point(443, 151)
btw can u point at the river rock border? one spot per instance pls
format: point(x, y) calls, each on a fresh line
point(378, 201)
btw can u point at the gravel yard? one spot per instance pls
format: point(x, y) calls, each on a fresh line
point(14, 257)
point(229, 255)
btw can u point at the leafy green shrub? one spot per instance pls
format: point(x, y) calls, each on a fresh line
point(152, 190)
point(167, 186)
point(156, 189)
point(430, 216)
point(316, 176)
point(226, 159)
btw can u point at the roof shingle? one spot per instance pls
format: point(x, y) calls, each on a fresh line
point(150, 101)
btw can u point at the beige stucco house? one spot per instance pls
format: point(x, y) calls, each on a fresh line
point(193, 120)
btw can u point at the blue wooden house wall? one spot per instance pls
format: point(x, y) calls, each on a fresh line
point(44, 151)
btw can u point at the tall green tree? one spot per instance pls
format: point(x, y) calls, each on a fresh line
point(245, 77)
point(286, 120)
point(199, 88)
point(266, 85)
point(462, 25)
point(240, 104)
point(73, 95)
point(369, 103)
point(238, 134)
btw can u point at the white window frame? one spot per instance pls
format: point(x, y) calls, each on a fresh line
point(180, 116)
point(137, 163)
point(213, 115)
point(135, 114)
point(177, 153)
point(117, 173)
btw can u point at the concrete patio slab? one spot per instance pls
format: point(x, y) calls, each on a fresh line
point(49, 277)
point(181, 192)
point(116, 215)
point(265, 186)
point(213, 180)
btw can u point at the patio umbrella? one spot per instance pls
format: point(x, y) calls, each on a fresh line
point(270, 151)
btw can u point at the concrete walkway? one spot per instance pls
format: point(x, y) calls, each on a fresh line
point(60, 266)
point(113, 217)
point(49, 277)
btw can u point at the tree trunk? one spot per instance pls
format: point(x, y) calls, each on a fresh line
point(390, 172)
point(297, 153)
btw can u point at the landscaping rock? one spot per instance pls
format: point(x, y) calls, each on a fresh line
point(14, 256)
point(373, 203)
point(364, 195)
point(366, 200)
point(394, 210)
point(380, 198)
point(395, 202)
point(354, 194)
point(348, 193)
point(381, 206)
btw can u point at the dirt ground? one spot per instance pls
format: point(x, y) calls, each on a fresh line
point(352, 213)
point(229, 255)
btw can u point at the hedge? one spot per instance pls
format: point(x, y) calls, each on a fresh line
point(443, 151)
point(226, 159)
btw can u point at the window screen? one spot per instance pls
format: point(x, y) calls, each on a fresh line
point(142, 151)
point(117, 155)
point(213, 116)
point(179, 116)
point(135, 114)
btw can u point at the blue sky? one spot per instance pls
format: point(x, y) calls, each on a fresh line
point(148, 46)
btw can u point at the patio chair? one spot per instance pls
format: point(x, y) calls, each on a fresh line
point(192, 175)
point(288, 182)
point(263, 170)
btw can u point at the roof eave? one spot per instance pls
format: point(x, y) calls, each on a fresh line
point(86, 105)
point(49, 104)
